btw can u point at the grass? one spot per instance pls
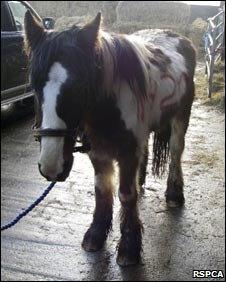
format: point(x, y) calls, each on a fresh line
point(220, 66)
point(216, 100)
point(218, 82)
point(201, 85)
point(217, 86)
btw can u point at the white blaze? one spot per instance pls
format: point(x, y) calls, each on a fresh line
point(51, 157)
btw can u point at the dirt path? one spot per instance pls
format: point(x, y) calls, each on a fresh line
point(46, 245)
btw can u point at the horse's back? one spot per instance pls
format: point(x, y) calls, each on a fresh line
point(169, 41)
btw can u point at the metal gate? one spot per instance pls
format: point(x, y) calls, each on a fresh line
point(214, 45)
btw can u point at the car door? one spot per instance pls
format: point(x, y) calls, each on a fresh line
point(14, 64)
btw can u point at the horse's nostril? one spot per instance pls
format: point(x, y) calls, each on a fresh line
point(39, 168)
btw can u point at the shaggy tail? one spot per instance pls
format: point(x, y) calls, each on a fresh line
point(161, 151)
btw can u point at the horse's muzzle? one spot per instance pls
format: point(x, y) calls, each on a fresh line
point(51, 177)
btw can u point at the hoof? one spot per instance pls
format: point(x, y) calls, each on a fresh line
point(174, 199)
point(92, 242)
point(126, 261)
point(129, 249)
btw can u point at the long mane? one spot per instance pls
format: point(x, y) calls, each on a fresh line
point(117, 57)
point(123, 58)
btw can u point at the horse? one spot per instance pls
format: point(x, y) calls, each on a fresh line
point(116, 89)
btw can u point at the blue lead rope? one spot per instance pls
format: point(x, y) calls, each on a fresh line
point(30, 208)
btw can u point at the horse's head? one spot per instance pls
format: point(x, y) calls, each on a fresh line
point(61, 72)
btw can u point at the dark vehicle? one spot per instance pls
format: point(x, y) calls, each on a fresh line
point(14, 66)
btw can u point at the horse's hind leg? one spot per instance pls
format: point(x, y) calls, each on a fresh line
point(97, 233)
point(174, 192)
point(179, 125)
point(131, 228)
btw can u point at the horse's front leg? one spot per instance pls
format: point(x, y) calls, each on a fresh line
point(97, 233)
point(131, 227)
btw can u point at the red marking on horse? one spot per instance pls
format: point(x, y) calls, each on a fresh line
point(140, 106)
point(167, 98)
point(152, 92)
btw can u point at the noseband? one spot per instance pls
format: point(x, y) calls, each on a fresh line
point(73, 133)
point(39, 132)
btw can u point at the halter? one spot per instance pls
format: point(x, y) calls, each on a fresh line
point(73, 133)
point(39, 132)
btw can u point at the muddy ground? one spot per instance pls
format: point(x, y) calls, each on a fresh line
point(46, 245)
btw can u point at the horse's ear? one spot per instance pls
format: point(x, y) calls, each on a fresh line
point(34, 30)
point(88, 35)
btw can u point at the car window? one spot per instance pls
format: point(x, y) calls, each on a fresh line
point(18, 10)
point(6, 20)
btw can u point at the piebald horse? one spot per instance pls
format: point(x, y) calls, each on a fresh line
point(116, 89)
